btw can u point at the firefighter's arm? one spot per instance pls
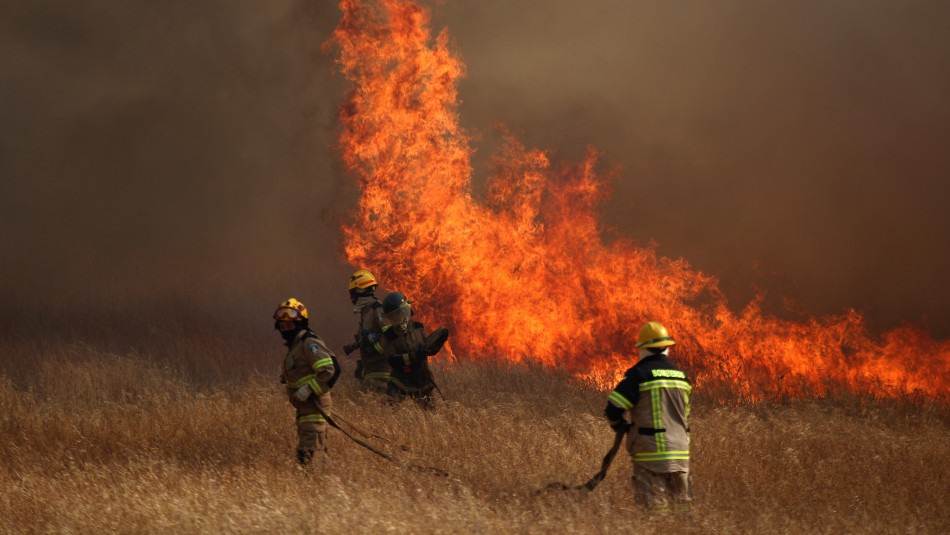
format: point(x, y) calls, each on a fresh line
point(323, 370)
point(322, 367)
point(615, 417)
point(619, 402)
point(349, 348)
point(435, 340)
point(371, 344)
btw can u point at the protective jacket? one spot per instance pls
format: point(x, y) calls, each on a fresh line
point(308, 362)
point(374, 365)
point(656, 393)
point(407, 357)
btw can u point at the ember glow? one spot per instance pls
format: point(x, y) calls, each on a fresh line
point(525, 274)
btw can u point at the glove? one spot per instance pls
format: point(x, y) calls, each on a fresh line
point(421, 355)
point(620, 427)
point(303, 393)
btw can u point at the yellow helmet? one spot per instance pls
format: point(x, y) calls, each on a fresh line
point(654, 335)
point(362, 279)
point(291, 310)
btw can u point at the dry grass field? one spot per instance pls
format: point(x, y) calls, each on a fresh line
point(95, 438)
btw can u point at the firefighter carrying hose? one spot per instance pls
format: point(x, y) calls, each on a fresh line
point(372, 368)
point(656, 393)
point(309, 372)
point(407, 349)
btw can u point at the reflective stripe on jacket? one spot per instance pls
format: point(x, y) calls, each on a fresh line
point(308, 362)
point(657, 394)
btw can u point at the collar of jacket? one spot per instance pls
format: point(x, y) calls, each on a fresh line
point(362, 303)
point(300, 336)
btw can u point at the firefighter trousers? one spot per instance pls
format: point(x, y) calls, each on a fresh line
point(311, 425)
point(660, 492)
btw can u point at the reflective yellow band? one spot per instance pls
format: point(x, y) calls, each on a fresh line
point(661, 456)
point(379, 348)
point(311, 419)
point(315, 386)
point(322, 363)
point(305, 380)
point(665, 383)
point(620, 401)
point(658, 419)
point(377, 375)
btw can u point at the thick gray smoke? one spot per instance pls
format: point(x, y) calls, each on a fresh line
point(160, 150)
point(797, 147)
point(174, 151)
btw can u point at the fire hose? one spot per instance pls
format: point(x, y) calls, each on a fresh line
point(599, 476)
point(384, 455)
point(367, 434)
point(590, 485)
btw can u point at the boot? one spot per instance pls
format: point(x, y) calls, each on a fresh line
point(304, 457)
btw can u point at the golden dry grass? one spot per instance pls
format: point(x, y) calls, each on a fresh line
point(94, 441)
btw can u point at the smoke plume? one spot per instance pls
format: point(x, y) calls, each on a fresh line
point(187, 150)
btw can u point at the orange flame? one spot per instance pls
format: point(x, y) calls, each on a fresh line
point(524, 272)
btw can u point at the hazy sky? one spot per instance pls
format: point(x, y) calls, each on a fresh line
point(150, 147)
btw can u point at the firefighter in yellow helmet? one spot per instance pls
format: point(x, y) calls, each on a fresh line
point(656, 393)
point(372, 368)
point(407, 348)
point(309, 372)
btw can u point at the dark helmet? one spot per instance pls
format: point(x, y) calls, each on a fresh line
point(393, 301)
point(396, 309)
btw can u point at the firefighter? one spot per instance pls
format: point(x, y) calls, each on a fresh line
point(407, 349)
point(656, 393)
point(372, 368)
point(309, 372)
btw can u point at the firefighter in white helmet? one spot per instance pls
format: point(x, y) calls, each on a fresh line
point(656, 393)
point(309, 371)
point(372, 368)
